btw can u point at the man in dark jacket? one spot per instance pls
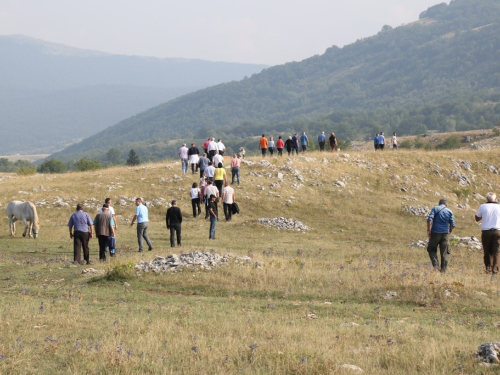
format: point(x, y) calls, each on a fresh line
point(193, 155)
point(174, 220)
point(104, 226)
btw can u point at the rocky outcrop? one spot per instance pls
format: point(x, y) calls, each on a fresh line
point(283, 224)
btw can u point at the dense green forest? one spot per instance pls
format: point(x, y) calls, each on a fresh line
point(52, 95)
point(441, 73)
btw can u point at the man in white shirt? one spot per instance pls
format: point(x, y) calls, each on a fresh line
point(212, 147)
point(111, 210)
point(217, 159)
point(209, 172)
point(183, 154)
point(211, 189)
point(220, 147)
point(228, 199)
point(489, 215)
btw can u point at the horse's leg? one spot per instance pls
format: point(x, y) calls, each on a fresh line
point(30, 225)
point(25, 227)
point(11, 226)
point(13, 219)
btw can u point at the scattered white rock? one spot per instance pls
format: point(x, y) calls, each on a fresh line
point(417, 210)
point(390, 295)
point(282, 223)
point(351, 368)
point(488, 352)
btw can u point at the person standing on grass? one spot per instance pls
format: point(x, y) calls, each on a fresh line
point(295, 144)
point(321, 141)
point(489, 216)
point(80, 230)
point(205, 146)
point(209, 171)
point(195, 194)
point(217, 159)
point(194, 156)
point(280, 144)
point(111, 210)
point(270, 146)
point(333, 141)
point(203, 163)
point(212, 147)
point(220, 177)
point(235, 168)
point(228, 198)
point(381, 141)
point(104, 228)
point(263, 145)
point(212, 209)
point(440, 224)
point(220, 147)
point(183, 154)
point(375, 141)
point(141, 215)
point(394, 141)
point(210, 189)
point(289, 145)
point(174, 221)
point(304, 141)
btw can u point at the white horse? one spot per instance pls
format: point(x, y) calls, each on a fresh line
point(25, 211)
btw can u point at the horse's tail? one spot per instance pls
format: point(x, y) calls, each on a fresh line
point(35, 215)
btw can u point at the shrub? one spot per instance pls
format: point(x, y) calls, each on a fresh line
point(52, 166)
point(450, 143)
point(406, 144)
point(26, 171)
point(85, 164)
point(121, 272)
point(461, 192)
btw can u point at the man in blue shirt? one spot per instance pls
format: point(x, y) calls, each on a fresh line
point(82, 225)
point(321, 141)
point(141, 215)
point(375, 141)
point(304, 141)
point(440, 224)
point(381, 141)
point(295, 144)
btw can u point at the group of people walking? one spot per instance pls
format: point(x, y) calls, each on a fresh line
point(294, 143)
point(441, 222)
point(379, 141)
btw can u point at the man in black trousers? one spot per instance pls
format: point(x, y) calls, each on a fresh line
point(174, 220)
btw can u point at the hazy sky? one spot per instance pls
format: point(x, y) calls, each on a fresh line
point(257, 31)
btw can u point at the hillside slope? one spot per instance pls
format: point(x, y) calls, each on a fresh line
point(452, 54)
point(58, 94)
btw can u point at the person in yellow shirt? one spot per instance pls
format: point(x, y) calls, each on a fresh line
point(220, 178)
point(263, 145)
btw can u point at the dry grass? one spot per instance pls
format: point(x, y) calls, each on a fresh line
point(247, 320)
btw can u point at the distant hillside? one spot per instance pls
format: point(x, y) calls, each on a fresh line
point(53, 94)
point(450, 58)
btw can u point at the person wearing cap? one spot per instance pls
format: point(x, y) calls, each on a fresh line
point(212, 209)
point(104, 228)
point(489, 216)
point(80, 230)
point(141, 215)
point(321, 141)
point(174, 221)
point(440, 223)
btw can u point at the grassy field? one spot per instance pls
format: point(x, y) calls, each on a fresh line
point(319, 302)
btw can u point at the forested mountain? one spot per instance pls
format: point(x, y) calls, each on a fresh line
point(52, 95)
point(441, 72)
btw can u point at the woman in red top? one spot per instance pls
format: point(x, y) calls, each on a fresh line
point(279, 145)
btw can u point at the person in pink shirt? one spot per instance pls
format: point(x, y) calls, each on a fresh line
point(279, 145)
point(205, 145)
point(235, 168)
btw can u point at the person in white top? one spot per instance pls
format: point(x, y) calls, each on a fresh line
point(111, 210)
point(220, 147)
point(195, 199)
point(489, 216)
point(217, 158)
point(209, 171)
point(394, 141)
point(270, 145)
point(183, 154)
point(228, 198)
point(212, 147)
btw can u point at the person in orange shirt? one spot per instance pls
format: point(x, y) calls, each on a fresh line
point(263, 145)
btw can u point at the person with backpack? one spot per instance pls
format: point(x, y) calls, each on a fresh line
point(440, 223)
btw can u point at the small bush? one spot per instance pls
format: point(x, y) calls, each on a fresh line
point(461, 192)
point(121, 272)
point(406, 144)
point(450, 143)
point(26, 171)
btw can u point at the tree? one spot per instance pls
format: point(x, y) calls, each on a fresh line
point(133, 158)
point(52, 166)
point(85, 164)
point(113, 156)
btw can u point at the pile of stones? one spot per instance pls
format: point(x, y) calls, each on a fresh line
point(192, 261)
point(282, 223)
point(488, 352)
point(471, 243)
point(417, 210)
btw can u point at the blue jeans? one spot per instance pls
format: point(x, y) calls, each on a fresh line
point(235, 171)
point(185, 165)
point(213, 224)
point(142, 232)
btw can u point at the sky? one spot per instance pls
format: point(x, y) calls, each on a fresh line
point(258, 31)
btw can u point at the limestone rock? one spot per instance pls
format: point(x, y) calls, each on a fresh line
point(283, 224)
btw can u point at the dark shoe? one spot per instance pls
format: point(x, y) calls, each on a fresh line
point(140, 251)
point(150, 248)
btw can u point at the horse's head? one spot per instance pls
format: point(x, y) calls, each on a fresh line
point(35, 230)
